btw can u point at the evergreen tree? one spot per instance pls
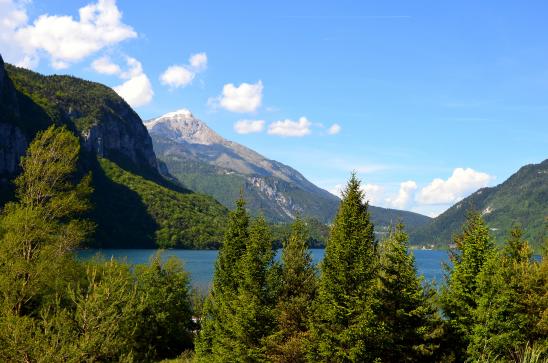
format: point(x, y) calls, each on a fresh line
point(345, 326)
point(252, 320)
point(298, 290)
point(411, 321)
point(219, 303)
point(460, 294)
point(505, 319)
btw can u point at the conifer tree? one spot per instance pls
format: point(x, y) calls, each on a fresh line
point(345, 327)
point(505, 319)
point(252, 319)
point(219, 303)
point(460, 294)
point(298, 290)
point(410, 319)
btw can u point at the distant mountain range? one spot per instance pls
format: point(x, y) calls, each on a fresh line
point(521, 199)
point(204, 161)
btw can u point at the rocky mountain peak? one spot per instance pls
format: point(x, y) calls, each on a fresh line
point(181, 125)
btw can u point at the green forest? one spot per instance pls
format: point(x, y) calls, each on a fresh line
point(364, 303)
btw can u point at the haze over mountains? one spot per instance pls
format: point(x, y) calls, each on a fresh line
point(204, 161)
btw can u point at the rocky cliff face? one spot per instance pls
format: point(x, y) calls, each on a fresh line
point(105, 122)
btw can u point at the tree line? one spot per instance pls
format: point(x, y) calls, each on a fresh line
point(364, 303)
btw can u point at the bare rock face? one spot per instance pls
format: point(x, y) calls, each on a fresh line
point(128, 138)
point(12, 147)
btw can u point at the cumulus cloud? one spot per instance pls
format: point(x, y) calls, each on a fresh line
point(289, 128)
point(460, 184)
point(177, 75)
point(198, 61)
point(64, 39)
point(405, 195)
point(334, 129)
point(246, 97)
point(374, 193)
point(137, 89)
point(104, 65)
point(249, 126)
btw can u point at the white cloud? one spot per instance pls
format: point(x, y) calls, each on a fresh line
point(64, 39)
point(137, 90)
point(182, 75)
point(460, 184)
point(404, 198)
point(373, 193)
point(246, 97)
point(177, 76)
point(198, 61)
point(290, 128)
point(249, 126)
point(104, 65)
point(334, 129)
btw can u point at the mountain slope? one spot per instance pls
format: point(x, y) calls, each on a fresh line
point(206, 162)
point(522, 199)
point(135, 206)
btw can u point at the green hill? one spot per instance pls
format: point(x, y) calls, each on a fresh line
point(520, 199)
point(135, 206)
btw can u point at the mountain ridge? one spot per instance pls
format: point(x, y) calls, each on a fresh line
point(519, 199)
point(203, 160)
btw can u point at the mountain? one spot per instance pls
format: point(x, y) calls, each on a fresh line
point(521, 199)
point(134, 205)
point(204, 161)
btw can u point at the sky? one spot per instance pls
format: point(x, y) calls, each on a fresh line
point(426, 101)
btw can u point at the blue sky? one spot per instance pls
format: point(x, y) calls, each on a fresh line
point(432, 99)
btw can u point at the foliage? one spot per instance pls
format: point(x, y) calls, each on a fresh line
point(238, 313)
point(344, 327)
point(412, 325)
point(520, 199)
point(41, 229)
point(293, 308)
point(460, 295)
point(151, 214)
point(508, 307)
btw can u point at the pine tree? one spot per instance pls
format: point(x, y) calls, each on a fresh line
point(298, 290)
point(460, 295)
point(505, 319)
point(345, 327)
point(219, 303)
point(410, 319)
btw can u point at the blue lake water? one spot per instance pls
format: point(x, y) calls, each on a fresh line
point(200, 263)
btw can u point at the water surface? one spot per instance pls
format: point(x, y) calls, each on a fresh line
point(201, 263)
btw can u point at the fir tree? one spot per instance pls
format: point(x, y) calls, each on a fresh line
point(298, 290)
point(252, 319)
point(460, 295)
point(408, 314)
point(345, 327)
point(505, 319)
point(219, 303)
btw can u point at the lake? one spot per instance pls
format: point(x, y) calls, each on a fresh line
point(200, 263)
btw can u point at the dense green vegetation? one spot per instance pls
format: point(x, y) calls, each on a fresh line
point(133, 206)
point(520, 199)
point(366, 304)
point(150, 215)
